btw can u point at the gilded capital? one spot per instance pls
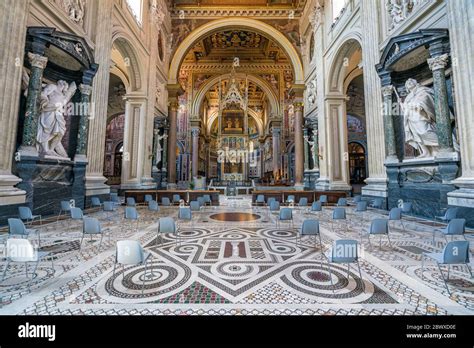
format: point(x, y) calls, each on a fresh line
point(37, 61)
point(439, 62)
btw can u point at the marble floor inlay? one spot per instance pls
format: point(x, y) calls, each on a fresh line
point(232, 260)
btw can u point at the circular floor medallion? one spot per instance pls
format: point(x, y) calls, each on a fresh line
point(235, 217)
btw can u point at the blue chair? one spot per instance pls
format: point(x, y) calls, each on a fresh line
point(165, 225)
point(91, 226)
point(407, 208)
point(286, 214)
point(323, 199)
point(27, 254)
point(131, 217)
point(274, 205)
point(456, 227)
point(449, 214)
point(148, 198)
point(303, 202)
point(454, 253)
point(344, 251)
point(290, 199)
point(16, 227)
point(115, 199)
point(131, 202)
point(316, 206)
point(339, 213)
point(95, 202)
point(201, 202)
point(361, 206)
point(260, 200)
point(342, 202)
point(379, 227)
point(109, 209)
point(130, 252)
point(270, 200)
point(65, 208)
point(310, 227)
point(26, 214)
point(357, 199)
point(395, 214)
point(377, 203)
point(184, 214)
point(76, 214)
point(176, 199)
point(207, 200)
point(153, 206)
point(194, 205)
point(360, 210)
point(165, 202)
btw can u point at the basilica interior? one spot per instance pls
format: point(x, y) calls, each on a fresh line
point(236, 157)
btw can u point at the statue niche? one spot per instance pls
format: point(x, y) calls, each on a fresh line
point(51, 124)
point(419, 118)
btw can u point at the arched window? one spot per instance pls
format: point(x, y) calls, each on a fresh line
point(136, 8)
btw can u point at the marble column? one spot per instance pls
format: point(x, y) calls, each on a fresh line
point(443, 120)
point(306, 157)
point(172, 138)
point(13, 25)
point(276, 151)
point(390, 143)
point(371, 23)
point(30, 126)
point(460, 14)
point(164, 160)
point(95, 180)
point(83, 133)
point(262, 159)
point(195, 131)
point(299, 147)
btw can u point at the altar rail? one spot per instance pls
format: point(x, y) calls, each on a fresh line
point(186, 195)
point(281, 196)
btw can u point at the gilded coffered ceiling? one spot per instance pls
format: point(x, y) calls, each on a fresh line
point(226, 46)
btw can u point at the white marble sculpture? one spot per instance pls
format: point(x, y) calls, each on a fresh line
point(51, 123)
point(312, 145)
point(419, 118)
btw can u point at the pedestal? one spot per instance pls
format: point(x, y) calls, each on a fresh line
point(425, 183)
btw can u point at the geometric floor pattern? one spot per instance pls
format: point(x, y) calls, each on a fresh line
point(238, 268)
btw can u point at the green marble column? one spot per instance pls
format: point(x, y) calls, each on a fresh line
point(389, 129)
point(316, 145)
point(156, 133)
point(306, 157)
point(30, 128)
point(443, 120)
point(83, 133)
point(164, 161)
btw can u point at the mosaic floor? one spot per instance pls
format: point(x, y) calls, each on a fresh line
point(234, 267)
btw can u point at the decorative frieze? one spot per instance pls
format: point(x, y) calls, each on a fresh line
point(75, 10)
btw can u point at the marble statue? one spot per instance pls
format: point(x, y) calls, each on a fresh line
point(159, 149)
point(419, 118)
point(51, 123)
point(312, 145)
